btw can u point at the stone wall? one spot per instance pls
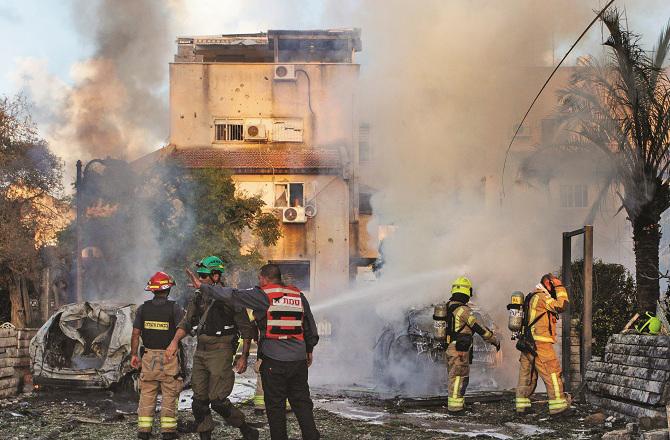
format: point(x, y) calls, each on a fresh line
point(14, 360)
point(632, 379)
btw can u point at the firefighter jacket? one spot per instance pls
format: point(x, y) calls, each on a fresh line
point(543, 311)
point(461, 320)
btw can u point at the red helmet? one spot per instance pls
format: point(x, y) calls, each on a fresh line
point(160, 281)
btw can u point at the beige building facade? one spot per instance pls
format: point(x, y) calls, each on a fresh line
point(278, 109)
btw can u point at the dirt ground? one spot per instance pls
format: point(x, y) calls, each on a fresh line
point(101, 415)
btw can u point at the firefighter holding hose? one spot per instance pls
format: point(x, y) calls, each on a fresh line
point(461, 324)
point(536, 338)
point(156, 322)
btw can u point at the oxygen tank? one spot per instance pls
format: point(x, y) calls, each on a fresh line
point(515, 321)
point(440, 321)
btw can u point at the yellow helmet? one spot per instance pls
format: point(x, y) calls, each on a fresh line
point(461, 285)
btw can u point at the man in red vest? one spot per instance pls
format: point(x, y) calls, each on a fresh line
point(288, 335)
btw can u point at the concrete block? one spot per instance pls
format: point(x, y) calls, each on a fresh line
point(6, 372)
point(8, 342)
point(621, 434)
point(659, 434)
point(7, 333)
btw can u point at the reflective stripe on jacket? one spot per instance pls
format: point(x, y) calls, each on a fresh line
point(464, 320)
point(544, 330)
point(285, 314)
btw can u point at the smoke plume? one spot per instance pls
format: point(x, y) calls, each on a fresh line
point(443, 85)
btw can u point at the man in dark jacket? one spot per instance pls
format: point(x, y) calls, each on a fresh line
point(288, 335)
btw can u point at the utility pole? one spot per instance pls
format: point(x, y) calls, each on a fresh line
point(78, 200)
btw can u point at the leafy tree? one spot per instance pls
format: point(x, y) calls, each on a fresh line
point(206, 217)
point(614, 301)
point(30, 184)
point(618, 112)
point(165, 217)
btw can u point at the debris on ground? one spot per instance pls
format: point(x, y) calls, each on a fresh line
point(51, 414)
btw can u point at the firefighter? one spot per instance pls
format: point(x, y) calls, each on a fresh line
point(461, 323)
point(538, 334)
point(156, 322)
point(288, 335)
point(217, 326)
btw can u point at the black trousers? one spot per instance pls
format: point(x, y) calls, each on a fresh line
point(287, 380)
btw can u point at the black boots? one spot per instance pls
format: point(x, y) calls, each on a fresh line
point(248, 433)
point(144, 435)
point(169, 436)
point(207, 435)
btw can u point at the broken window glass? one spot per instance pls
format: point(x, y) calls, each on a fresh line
point(281, 195)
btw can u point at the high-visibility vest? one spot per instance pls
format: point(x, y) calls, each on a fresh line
point(285, 314)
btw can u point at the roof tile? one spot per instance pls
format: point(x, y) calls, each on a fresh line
point(295, 159)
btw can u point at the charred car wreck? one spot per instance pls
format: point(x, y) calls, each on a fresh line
point(410, 357)
point(87, 345)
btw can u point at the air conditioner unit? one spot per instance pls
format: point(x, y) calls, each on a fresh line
point(310, 211)
point(284, 72)
point(294, 215)
point(255, 132)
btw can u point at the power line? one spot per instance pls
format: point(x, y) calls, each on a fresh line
point(518, 128)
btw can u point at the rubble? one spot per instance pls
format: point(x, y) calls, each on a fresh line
point(104, 415)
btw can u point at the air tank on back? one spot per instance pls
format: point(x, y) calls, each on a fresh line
point(515, 307)
point(440, 321)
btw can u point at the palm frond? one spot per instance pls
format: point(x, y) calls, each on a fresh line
point(662, 48)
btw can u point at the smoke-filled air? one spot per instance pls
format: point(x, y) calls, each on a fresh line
point(376, 155)
point(443, 86)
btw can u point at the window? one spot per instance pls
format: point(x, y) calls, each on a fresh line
point(294, 273)
point(289, 194)
point(365, 203)
point(364, 153)
point(228, 131)
point(574, 196)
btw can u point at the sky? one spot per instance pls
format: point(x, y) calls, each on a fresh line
point(44, 30)
point(46, 44)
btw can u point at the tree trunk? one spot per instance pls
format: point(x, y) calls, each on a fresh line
point(18, 307)
point(646, 241)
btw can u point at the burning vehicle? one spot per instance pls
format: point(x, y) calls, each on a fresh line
point(87, 345)
point(408, 356)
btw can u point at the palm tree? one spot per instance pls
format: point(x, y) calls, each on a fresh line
point(621, 109)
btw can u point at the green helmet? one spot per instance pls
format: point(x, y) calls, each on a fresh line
point(210, 264)
point(650, 326)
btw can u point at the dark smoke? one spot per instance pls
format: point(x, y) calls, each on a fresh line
point(118, 108)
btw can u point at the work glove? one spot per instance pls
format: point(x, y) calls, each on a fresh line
point(556, 282)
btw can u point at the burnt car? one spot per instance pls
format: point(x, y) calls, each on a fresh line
point(408, 357)
point(87, 345)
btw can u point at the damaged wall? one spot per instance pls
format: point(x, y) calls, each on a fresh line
point(15, 360)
